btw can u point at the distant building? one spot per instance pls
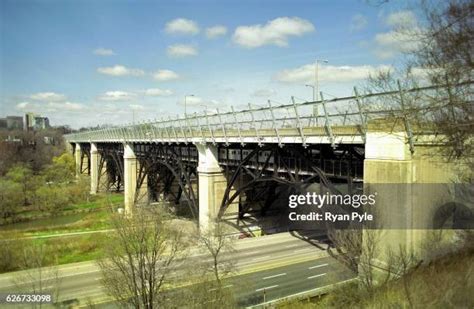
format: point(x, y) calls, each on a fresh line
point(41, 123)
point(3, 123)
point(14, 122)
point(35, 122)
point(29, 121)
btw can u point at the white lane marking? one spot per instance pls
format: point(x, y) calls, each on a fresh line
point(291, 246)
point(274, 276)
point(224, 287)
point(317, 266)
point(316, 276)
point(261, 258)
point(267, 288)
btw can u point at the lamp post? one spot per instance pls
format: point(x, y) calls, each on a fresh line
point(185, 112)
point(316, 88)
point(316, 75)
point(314, 91)
point(315, 106)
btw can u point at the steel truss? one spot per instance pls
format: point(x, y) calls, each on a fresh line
point(111, 157)
point(85, 153)
point(164, 165)
point(265, 168)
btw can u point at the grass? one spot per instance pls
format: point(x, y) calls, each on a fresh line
point(81, 217)
point(72, 249)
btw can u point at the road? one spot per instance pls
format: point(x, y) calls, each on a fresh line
point(277, 265)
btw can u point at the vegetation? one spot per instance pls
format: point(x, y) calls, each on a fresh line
point(49, 191)
point(446, 282)
point(139, 258)
point(35, 149)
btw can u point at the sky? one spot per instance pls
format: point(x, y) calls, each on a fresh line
point(87, 63)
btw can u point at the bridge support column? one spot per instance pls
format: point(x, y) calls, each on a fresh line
point(78, 158)
point(211, 184)
point(94, 168)
point(133, 192)
point(410, 188)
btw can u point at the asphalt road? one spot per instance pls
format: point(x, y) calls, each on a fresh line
point(272, 266)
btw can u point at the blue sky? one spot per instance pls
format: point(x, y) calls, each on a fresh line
point(84, 63)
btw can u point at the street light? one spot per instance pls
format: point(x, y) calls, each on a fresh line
point(315, 106)
point(316, 88)
point(316, 75)
point(314, 91)
point(188, 95)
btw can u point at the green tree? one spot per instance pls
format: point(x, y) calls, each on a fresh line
point(79, 191)
point(11, 198)
point(22, 175)
point(52, 198)
point(61, 170)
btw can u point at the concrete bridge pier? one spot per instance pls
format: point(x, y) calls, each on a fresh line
point(411, 189)
point(95, 157)
point(134, 193)
point(78, 158)
point(212, 184)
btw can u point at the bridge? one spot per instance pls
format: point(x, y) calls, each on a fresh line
point(236, 165)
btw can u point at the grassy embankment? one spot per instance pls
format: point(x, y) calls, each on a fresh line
point(447, 282)
point(82, 217)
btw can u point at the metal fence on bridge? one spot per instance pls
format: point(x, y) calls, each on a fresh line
point(338, 116)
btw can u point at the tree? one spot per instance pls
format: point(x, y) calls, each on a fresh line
point(217, 243)
point(22, 175)
point(139, 257)
point(12, 248)
point(36, 278)
point(10, 198)
point(442, 56)
point(52, 198)
point(62, 170)
point(210, 291)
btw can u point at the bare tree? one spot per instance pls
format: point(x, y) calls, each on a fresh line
point(442, 56)
point(139, 258)
point(38, 279)
point(211, 289)
point(217, 243)
point(347, 247)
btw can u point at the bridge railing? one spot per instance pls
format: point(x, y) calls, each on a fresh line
point(297, 120)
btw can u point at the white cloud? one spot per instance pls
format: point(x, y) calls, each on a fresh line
point(155, 92)
point(117, 96)
point(264, 93)
point(137, 107)
point(215, 31)
point(195, 101)
point(181, 50)
point(48, 96)
point(165, 75)
point(275, 32)
point(389, 44)
point(25, 106)
point(103, 52)
point(328, 73)
point(401, 39)
point(50, 107)
point(192, 101)
point(358, 22)
point(401, 19)
point(182, 26)
point(120, 70)
point(65, 106)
